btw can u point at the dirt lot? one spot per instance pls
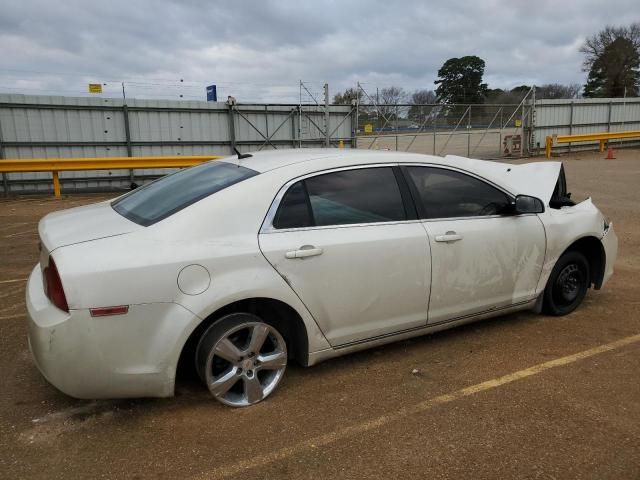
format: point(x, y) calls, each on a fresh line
point(520, 396)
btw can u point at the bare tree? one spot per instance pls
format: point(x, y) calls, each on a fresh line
point(423, 97)
point(418, 112)
point(556, 90)
point(393, 95)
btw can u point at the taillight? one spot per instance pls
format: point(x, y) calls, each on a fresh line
point(53, 286)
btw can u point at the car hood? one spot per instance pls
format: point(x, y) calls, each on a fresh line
point(537, 179)
point(82, 224)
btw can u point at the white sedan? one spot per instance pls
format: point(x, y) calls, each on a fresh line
point(242, 264)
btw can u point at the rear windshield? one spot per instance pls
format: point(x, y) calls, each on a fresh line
point(167, 195)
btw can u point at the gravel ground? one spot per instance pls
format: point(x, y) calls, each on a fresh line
point(502, 398)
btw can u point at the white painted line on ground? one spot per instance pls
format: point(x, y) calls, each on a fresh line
point(14, 280)
point(360, 428)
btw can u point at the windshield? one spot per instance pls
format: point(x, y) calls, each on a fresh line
point(167, 195)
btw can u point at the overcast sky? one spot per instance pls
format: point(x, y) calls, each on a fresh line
point(260, 50)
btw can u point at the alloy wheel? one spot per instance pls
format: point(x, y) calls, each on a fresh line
point(246, 364)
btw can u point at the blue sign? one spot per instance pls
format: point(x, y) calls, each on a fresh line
point(212, 94)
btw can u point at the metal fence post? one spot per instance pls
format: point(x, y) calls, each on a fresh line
point(5, 178)
point(127, 137)
point(293, 127)
point(397, 120)
point(532, 121)
point(500, 133)
point(327, 116)
point(356, 127)
point(232, 128)
point(609, 116)
point(435, 128)
point(469, 133)
point(570, 123)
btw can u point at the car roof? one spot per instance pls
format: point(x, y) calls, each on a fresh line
point(264, 161)
point(537, 179)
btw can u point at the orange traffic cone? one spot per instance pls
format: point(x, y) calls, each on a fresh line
point(610, 154)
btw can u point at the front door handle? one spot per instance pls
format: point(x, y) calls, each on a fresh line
point(448, 237)
point(304, 252)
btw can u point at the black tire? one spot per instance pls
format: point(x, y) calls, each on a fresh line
point(567, 284)
point(255, 354)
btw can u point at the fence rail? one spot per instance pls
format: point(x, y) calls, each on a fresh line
point(56, 165)
point(601, 138)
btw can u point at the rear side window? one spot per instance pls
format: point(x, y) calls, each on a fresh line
point(294, 211)
point(449, 194)
point(168, 195)
point(367, 195)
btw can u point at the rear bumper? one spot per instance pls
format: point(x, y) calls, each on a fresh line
point(610, 243)
point(123, 356)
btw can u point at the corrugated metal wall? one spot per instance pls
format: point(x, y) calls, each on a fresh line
point(56, 127)
point(572, 117)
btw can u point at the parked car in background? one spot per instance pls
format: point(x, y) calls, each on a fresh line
point(242, 264)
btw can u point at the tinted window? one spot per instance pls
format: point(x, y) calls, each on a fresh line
point(446, 194)
point(355, 196)
point(294, 209)
point(160, 199)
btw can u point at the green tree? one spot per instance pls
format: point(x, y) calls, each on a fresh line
point(460, 80)
point(612, 58)
point(616, 73)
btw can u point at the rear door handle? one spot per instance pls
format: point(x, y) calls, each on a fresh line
point(304, 251)
point(448, 237)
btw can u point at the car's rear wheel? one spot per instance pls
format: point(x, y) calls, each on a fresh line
point(567, 285)
point(241, 359)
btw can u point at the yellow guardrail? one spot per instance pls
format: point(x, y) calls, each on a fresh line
point(602, 137)
point(56, 165)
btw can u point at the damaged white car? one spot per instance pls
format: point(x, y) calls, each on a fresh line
point(242, 264)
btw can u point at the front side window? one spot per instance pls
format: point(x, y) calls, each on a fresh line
point(366, 195)
point(164, 197)
point(449, 194)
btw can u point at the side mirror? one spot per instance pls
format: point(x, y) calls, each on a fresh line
point(528, 204)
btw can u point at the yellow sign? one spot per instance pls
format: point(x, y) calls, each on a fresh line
point(368, 128)
point(518, 123)
point(95, 88)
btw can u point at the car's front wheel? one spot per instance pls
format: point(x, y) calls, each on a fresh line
point(241, 359)
point(567, 285)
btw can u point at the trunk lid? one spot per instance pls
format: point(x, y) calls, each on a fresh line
point(537, 179)
point(82, 224)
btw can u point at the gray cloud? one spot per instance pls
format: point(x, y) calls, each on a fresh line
point(259, 50)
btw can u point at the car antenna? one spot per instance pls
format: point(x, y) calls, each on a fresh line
point(241, 155)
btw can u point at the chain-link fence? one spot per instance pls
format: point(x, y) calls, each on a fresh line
point(483, 131)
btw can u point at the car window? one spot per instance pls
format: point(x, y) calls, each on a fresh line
point(448, 194)
point(365, 195)
point(162, 198)
point(294, 209)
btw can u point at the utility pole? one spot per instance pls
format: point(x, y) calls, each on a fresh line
point(327, 133)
